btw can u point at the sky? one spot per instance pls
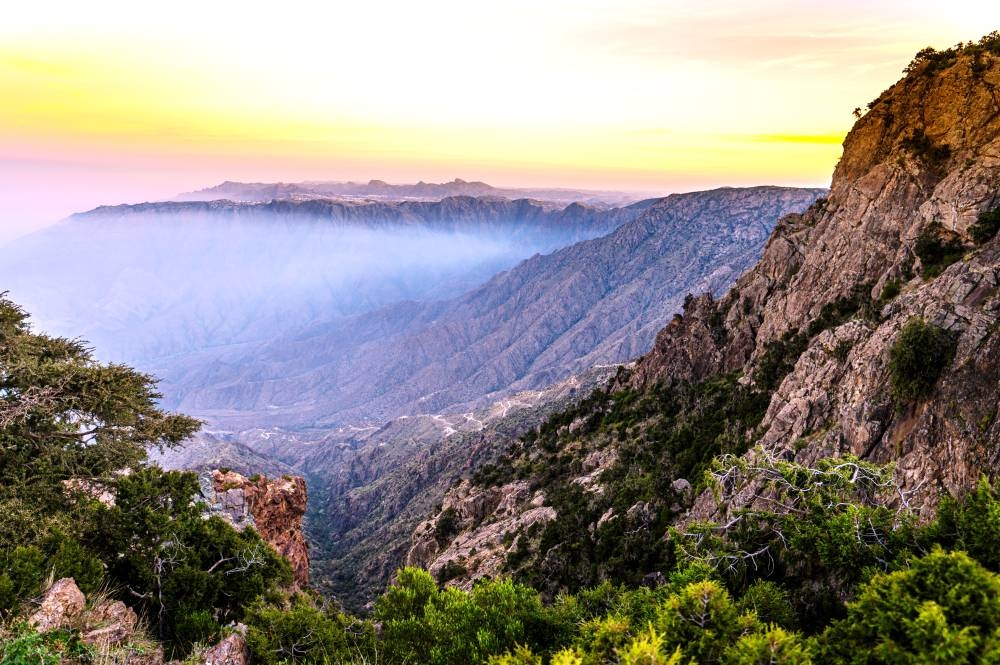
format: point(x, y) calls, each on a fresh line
point(110, 102)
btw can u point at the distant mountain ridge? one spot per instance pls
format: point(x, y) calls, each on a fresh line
point(598, 301)
point(513, 217)
point(381, 190)
point(182, 278)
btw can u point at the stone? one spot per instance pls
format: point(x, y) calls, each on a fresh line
point(232, 650)
point(62, 603)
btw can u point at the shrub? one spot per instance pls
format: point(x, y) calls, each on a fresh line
point(891, 289)
point(917, 358)
point(944, 608)
point(937, 249)
point(934, 155)
point(986, 226)
point(303, 633)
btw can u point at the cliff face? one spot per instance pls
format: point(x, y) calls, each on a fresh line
point(927, 151)
point(274, 508)
point(796, 356)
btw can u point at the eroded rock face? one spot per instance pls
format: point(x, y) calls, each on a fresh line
point(273, 507)
point(486, 521)
point(109, 624)
point(62, 603)
point(928, 151)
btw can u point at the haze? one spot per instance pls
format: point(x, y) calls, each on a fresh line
point(109, 102)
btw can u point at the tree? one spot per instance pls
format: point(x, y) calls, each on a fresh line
point(64, 416)
point(945, 608)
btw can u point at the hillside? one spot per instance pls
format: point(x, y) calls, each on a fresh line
point(595, 302)
point(206, 282)
point(867, 329)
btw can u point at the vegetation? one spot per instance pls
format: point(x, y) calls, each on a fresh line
point(928, 60)
point(937, 249)
point(917, 358)
point(75, 431)
point(830, 564)
point(986, 226)
point(934, 155)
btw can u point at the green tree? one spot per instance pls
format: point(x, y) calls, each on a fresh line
point(64, 416)
point(944, 608)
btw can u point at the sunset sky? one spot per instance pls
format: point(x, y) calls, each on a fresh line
point(108, 102)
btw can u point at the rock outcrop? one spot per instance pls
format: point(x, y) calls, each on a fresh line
point(231, 650)
point(274, 508)
point(487, 521)
point(109, 628)
point(62, 603)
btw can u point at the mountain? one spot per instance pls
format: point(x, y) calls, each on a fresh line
point(378, 190)
point(176, 280)
point(596, 302)
point(869, 328)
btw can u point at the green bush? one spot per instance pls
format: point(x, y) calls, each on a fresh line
point(937, 249)
point(27, 647)
point(986, 226)
point(891, 289)
point(917, 358)
point(944, 608)
point(302, 633)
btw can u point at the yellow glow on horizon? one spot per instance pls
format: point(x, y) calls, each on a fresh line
point(630, 94)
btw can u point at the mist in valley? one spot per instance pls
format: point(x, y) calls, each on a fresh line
point(159, 288)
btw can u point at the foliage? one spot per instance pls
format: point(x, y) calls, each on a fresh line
point(934, 155)
point(74, 435)
point(28, 647)
point(191, 575)
point(65, 416)
point(937, 249)
point(917, 358)
point(944, 607)
point(421, 623)
point(986, 226)
point(928, 60)
point(305, 632)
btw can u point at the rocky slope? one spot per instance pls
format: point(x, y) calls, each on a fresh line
point(201, 283)
point(595, 302)
point(797, 357)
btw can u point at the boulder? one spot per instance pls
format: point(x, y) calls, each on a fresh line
point(62, 602)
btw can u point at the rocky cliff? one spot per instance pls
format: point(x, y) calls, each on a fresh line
point(926, 155)
point(810, 354)
point(274, 508)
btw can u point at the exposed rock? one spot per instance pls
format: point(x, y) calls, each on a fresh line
point(109, 623)
point(274, 508)
point(837, 398)
point(488, 519)
point(815, 303)
point(232, 650)
point(62, 603)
